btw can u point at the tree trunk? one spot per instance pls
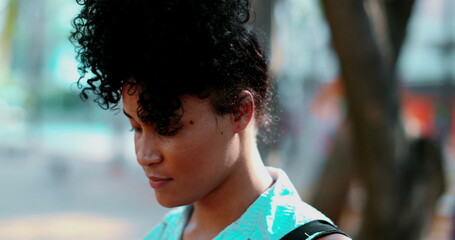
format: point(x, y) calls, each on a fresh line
point(398, 13)
point(402, 179)
point(331, 196)
point(372, 97)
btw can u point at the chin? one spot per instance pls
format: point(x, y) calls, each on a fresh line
point(171, 202)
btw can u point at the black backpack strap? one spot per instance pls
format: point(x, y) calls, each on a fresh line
point(323, 228)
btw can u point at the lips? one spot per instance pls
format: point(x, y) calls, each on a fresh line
point(158, 182)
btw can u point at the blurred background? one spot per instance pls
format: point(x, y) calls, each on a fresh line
point(68, 170)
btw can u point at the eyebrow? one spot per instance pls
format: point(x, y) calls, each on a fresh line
point(126, 114)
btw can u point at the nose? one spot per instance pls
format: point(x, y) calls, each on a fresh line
point(147, 151)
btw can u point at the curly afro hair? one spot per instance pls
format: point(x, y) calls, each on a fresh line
point(168, 48)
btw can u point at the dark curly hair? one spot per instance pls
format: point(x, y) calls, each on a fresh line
point(168, 48)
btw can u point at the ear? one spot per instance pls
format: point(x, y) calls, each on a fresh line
point(244, 112)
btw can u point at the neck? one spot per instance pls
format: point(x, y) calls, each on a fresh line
point(227, 203)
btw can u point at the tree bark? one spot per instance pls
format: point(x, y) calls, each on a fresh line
point(403, 179)
point(398, 13)
point(372, 97)
point(390, 18)
point(331, 196)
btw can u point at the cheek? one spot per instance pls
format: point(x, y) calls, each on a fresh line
point(210, 153)
point(201, 153)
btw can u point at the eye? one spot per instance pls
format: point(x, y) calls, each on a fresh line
point(168, 132)
point(136, 130)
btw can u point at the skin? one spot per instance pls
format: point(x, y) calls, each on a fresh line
point(206, 160)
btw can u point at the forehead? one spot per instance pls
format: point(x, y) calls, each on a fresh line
point(190, 104)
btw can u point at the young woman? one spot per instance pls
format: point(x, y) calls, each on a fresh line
point(194, 85)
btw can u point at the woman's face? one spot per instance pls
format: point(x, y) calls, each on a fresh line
point(192, 163)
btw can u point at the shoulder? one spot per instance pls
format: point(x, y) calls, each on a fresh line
point(335, 237)
point(285, 210)
point(286, 198)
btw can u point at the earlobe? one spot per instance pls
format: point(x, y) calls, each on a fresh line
point(244, 112)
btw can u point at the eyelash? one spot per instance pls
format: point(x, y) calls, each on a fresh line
point(135, 129)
